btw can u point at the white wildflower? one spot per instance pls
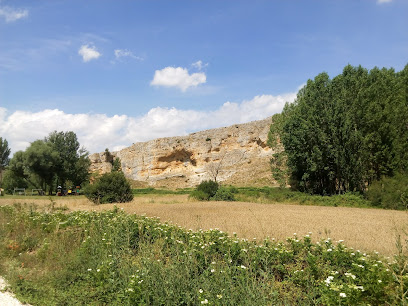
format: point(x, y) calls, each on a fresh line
point(350, 275)
point(329, 279)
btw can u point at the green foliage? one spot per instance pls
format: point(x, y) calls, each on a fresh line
point(73, 162)
point(209, 187)
point(342, 134)
point(224, 194)
point(11, 181)
point(83, 258)
point(4, 154)
point(41, 160)
point(151, 190)
point(284, 195)
point(390, 192)
point(116, 165)
point(110, 188)
point(56, 160)
point(199, 195)
point(212, 191)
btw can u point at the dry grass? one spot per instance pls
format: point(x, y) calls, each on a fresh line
point(363, 229)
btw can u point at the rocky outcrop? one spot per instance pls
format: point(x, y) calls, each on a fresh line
point(237, 155)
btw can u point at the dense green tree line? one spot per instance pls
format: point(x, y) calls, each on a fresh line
point(4, 157)
point(45, 164)
point(344, 133)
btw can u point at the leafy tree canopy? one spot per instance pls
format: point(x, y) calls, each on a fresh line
point(341, 134)
point(56, 160)
point(4, 153)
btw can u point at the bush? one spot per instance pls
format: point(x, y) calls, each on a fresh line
point(208, 187)
point(390, 192)
point(210, 190)
point(200, 195)
point(109, 188)
point(224, 194)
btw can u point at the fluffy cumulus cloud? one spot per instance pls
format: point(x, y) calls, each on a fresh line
point(11, 14)
point(98, 131)
point(177, 77)
point(88, 53)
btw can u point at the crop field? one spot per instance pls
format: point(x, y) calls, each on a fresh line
point(368, 230)
point(55, 257)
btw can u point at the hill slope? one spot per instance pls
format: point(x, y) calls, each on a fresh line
point(237, 154)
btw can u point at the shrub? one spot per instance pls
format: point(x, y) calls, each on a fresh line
point(109, 188)
point(224, 194)
point(390, 192)
point(208, 187)
point(200, 195)
point(210, 190)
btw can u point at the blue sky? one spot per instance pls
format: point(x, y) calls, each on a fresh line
point(118, 72)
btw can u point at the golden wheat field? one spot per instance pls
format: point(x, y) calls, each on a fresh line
point(364, 229)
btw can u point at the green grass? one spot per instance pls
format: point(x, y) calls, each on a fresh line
point(120, 259)
point(283, 195)
point(257, 195)
point(151, 190)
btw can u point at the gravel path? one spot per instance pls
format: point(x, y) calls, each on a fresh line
point(7, 298)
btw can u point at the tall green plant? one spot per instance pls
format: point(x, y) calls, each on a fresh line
point(342, 134)
point(111, 187)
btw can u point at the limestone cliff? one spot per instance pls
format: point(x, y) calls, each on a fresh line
point(237, 155)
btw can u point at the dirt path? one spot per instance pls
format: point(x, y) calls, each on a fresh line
point(7, 298)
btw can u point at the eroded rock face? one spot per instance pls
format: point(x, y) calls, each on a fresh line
point(237, 155)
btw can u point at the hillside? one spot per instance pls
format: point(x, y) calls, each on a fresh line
point(237, 155)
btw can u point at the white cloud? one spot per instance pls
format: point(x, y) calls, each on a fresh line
point(10, 14)
point(98, 131)
point(383, 1)
point(199, 65)
point(177, 77)
point(120, 53)
point(88, 53)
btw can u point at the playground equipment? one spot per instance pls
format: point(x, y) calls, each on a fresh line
point(69, 192)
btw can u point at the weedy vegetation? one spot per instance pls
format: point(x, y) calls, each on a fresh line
point(285, 195)
point(111, 257)
point(111, 187)
point(212, 191)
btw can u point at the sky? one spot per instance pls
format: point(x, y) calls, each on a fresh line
point(119, 72)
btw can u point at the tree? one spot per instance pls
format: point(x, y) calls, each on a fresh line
point(55, 160)
point(41, 160)
point(110, 188)
point(18, 175)
point(72, 163)
point(342, 134)
point(4, 157)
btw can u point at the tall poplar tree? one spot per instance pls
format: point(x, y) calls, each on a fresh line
point(342, 134)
